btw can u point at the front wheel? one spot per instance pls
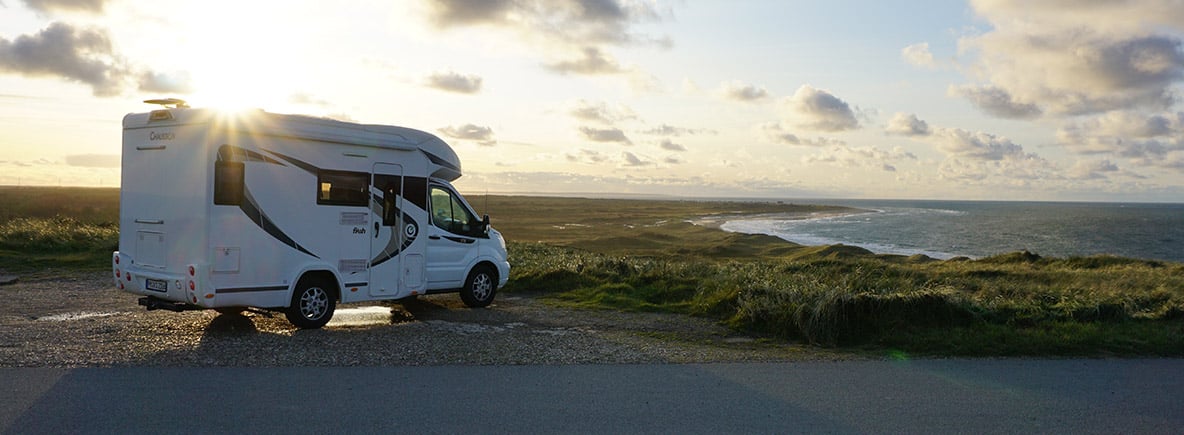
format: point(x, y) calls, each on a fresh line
point(480, 287)
point(312, 305)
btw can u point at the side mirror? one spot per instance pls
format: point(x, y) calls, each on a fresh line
point(485, 224)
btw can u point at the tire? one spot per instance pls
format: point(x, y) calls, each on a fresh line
point(480, 287)
point(313, 304)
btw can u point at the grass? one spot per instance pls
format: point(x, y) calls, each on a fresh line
point(644, 256)
point(1093, 306)
point(51, 227)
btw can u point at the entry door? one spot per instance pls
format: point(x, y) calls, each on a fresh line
point(386, 244)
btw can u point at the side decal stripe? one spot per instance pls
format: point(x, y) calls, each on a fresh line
point(251, 209)
point(251, 289)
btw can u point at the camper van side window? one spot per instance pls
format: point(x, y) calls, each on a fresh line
point(228, 182)
point(343, 188)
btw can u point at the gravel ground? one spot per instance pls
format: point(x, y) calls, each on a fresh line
point(74, 319)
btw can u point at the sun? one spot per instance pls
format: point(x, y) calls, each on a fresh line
point(236, 62)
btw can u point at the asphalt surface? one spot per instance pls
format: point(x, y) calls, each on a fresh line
point(923, 396)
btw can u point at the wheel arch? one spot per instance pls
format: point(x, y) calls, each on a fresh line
point(323, 275)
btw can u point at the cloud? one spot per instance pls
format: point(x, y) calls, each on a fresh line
point(481, 135)
point(94, 160)
point(918, 55)
point(570, 34)
point(672, 160)
point(907, 124)
point(600, 112)
point(666, 144)
point(818, 110)
point(592, 61)
point(976, 145)
point(670, 130)
point(572, 21)
point(585, 156)
point(775, 132)
point(605, 135)
point(454, 82)
point(861, 157)
point(46, 6)
point(1077, 58)
point(303, 98)
point(996, 101)
point(631, 160)
point(1092, 170)
point(739, 91)
point(83, 55)
point(1148, 138)
point(166, 83)
point(60, 50)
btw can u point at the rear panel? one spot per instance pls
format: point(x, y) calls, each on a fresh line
point(164, 194)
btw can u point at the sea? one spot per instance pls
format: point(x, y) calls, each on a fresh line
point(976, 229)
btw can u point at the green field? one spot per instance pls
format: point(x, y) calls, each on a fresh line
point(644, 255)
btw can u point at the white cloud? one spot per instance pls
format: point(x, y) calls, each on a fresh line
point(775, 132)
point(739, 91)
point(481, 135)
point(605, 135)
point(976, 145)
point(46, 6)
point(1092, 170)
point(1148, 138)
point(1073, 58)
point(631, 160)
point(996, 101)
point(860, 157)
point(670, 130)
point(818, 110)
point(591, 61)
point(907, 124)
point(918, 55)
point(83, 55)
point(600, 112)
point(586, 156)
point(666, 144)
point(452, 81)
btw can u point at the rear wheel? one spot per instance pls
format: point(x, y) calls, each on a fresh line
point(480, 287)
point(313, 304)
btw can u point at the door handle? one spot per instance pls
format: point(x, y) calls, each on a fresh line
point(434, 237)
point(376, 229)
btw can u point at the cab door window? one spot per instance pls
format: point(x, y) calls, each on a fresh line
point(450, 214)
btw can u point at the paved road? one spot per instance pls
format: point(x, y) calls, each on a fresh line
point(1078, 396)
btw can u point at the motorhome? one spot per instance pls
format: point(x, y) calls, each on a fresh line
point(255, 210)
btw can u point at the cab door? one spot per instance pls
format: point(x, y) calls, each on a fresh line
point(452, 238)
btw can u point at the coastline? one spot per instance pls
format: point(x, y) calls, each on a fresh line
point(718, 221)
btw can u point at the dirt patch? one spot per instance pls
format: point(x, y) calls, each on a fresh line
point(78, 319)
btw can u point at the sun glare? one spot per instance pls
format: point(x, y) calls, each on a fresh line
point(237, 62)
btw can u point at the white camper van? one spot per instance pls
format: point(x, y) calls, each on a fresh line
point(284, 212)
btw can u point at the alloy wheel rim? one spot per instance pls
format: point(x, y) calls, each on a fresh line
point(313, 303)
point(482, 285)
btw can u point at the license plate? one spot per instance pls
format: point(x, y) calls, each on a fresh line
point(158, 285)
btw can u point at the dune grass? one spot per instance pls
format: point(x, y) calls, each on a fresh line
point(54, 227)
point(996, 306)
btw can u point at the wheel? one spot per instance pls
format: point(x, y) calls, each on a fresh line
point(312, 305)
point(480, 287)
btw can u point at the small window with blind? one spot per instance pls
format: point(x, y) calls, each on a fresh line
point(343, 188)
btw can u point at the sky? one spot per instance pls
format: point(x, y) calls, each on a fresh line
point(1063, 100)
